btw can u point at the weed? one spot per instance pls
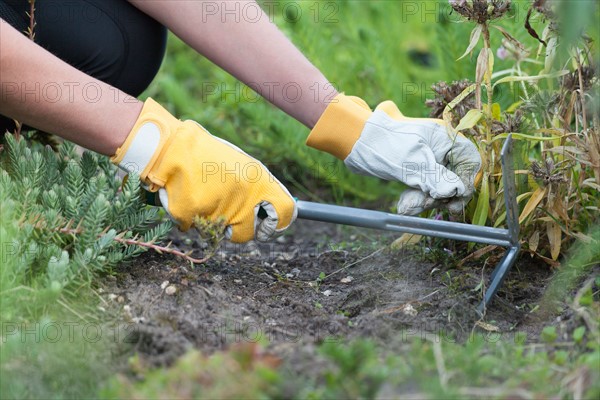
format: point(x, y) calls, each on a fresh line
point(550, 114)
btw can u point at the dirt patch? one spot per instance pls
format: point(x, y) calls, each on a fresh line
point(318, 282)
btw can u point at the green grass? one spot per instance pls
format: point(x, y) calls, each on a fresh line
point(377, 50)
point(436, 368)
point(365, 53)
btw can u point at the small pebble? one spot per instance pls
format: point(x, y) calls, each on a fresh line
point(347, 279)
point(237, 281)
point(327, 293)
point(292, 273)
point(408, 309)
point(120, 299)
point(164, 285)
point(255, 253)
point(170, 290)
point(112, 296)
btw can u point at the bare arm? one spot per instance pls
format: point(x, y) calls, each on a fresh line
point(43, 91)
point(251, 48)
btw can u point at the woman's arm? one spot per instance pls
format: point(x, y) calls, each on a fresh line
point(43, 91)
point(251, 48)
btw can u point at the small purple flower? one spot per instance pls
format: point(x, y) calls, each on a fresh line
point(502, 53)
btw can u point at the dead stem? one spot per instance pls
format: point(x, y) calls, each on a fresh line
point(439, 363)
point(163, 249)
point(581, 94)
point(488, 82)
point(31, 14)
point(355, 262)
point(136, 242)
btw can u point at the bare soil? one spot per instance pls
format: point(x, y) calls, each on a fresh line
point(272, 293)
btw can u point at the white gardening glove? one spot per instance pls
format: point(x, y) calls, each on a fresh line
point(414, 151)
point(455, 152)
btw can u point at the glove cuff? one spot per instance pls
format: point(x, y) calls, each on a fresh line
point(340, 126)
point(149, 134)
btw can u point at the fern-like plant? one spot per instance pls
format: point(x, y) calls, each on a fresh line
point(74, 216)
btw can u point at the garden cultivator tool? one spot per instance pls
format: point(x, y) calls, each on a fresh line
point(508, 237)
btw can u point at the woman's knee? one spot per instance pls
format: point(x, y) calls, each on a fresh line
point(108, 39)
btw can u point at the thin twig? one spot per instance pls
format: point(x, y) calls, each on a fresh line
point(162, 249)
point(403, 305)
point(354, 263)
point(65, 305)
point(581, 94)
point(439, 362)
point(135, 242)
point(17, 288)
point(32, 23)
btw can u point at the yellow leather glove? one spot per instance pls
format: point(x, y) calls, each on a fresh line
point(198, 174)
point(437, 164)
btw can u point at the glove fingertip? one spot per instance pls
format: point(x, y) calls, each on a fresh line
point(286, 212)
point(390, 108)
point(411, 202)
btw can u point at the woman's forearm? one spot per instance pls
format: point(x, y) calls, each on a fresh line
point(42, 91)
point(252, 49)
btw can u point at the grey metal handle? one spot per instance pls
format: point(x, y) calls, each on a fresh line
point(450, 230)
point(401, 223)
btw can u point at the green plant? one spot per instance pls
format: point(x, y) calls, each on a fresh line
point(356, 371)
point(73, 217)
point(243, 372)
point(550, 112)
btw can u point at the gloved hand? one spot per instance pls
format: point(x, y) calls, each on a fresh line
point(462, 158)
point(196, 173)
point(439, 165)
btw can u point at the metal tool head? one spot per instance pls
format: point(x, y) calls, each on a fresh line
point(510, 189)
point(508, 237)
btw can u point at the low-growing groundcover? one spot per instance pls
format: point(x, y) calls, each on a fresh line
point(339, 314)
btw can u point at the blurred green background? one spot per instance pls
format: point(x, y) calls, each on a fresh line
point(377, 50)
